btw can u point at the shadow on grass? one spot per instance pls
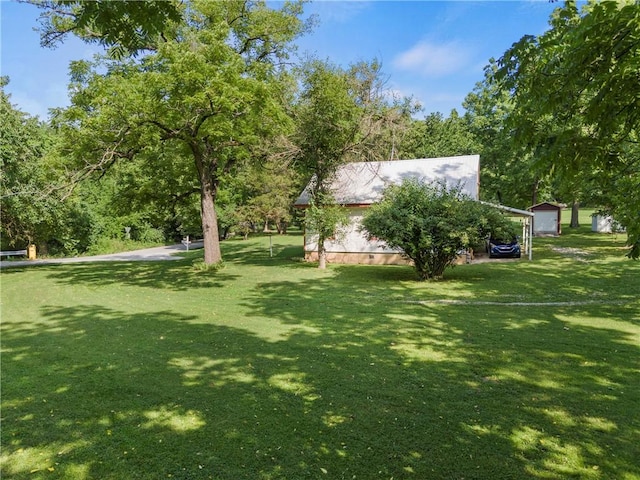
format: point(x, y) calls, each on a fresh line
point(360, 381)
point(177, 275)
point(489, 392)
point(367, 386)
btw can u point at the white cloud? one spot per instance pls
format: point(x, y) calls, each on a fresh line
point(433, 60)
point(338, 11)
point(27, 104)
point(36, 101)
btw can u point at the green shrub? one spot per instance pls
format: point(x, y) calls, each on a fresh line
point(432, 223)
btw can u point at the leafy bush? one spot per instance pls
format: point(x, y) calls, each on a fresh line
point(147, 234)
point(431, 223)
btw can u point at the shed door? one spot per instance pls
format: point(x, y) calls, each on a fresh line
point(546, 222)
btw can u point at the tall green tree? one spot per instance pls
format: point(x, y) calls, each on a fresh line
point(327, 129)
point(341, 116)
point(509, 173)
point(272, 188)
point(34, 205)
point(159, 189)
point(212, 92)
point(260, 195)
point(577, 100)
point(24, 177)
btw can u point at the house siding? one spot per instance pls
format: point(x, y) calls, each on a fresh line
point(359, 185)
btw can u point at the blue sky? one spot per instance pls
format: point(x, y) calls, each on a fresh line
point(432, 50)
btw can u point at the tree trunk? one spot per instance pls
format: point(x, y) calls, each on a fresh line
point(322, 260)
point(208, 191)
point(534, 194)
point(212, 252)
point(322, 253)
point(421, 265)
point(575, 221)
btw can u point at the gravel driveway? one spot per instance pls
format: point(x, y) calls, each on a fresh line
point(147, 254)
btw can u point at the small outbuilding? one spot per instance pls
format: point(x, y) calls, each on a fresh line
point(601, 223)
point(546, 219)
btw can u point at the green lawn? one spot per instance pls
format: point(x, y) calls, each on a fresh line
point(272, 369)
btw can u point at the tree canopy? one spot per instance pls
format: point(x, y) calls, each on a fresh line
point(125, 26)
point(509, 174)
point(213, 93)
point(24, 142)
point(576, 96)
point(437, 136)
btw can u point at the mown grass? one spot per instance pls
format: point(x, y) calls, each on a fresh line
point(272, 369)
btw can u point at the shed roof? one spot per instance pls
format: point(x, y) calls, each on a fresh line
point(546, 206)
point(362, 183)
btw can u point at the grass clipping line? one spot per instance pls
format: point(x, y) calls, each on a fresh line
point(516, 304)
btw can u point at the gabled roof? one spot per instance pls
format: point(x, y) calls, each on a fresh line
point(546, 205)
point(362, 183)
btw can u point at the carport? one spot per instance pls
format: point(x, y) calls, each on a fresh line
point(526, 218)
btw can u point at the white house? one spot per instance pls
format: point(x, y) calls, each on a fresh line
point(358, 185)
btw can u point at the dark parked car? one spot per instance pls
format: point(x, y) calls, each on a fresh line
point(504, 248)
